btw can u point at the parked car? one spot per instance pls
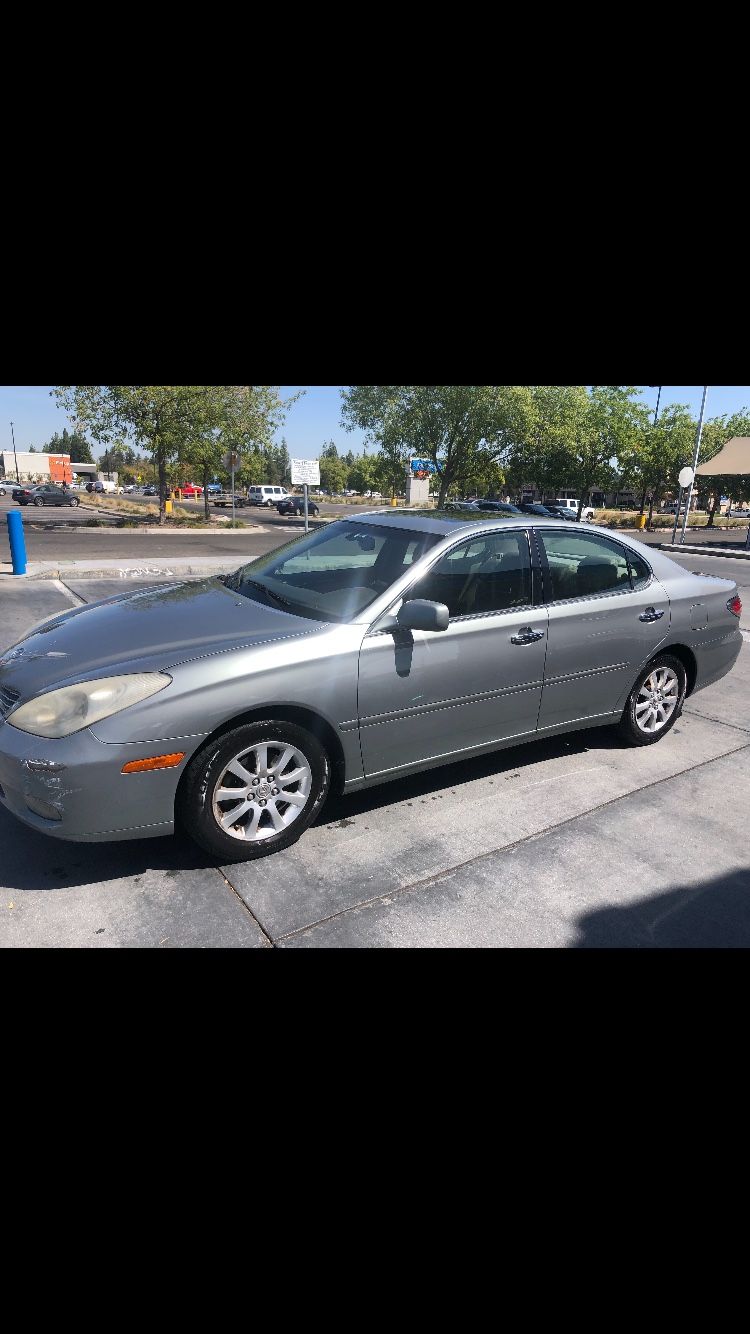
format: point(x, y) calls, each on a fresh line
point(214, 488)
point(150, 490)
point(266, 495)
point(370, 649)
point(461, 505)
point(738, 512)
point(571, 504)
point(46, 494)
point(9, 488)
point(496, 507)
point(559, 512)
point(104, 487)
point(191, 490)
point(296, 505)
point(535, 507)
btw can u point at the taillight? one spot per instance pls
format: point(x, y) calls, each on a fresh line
point(735, 605)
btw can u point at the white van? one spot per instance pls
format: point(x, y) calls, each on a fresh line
point(266, 495)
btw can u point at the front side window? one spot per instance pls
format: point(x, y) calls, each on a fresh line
point(336, 572)
point(583, 564)
point(491, 572)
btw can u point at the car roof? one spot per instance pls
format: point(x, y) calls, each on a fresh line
point(450, 521)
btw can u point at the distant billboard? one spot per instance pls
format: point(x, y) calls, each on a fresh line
point(421, 467)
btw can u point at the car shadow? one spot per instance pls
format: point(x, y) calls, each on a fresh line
point(503, 764)
point(33, 861)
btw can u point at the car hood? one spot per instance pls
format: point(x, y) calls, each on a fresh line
point(143, 631)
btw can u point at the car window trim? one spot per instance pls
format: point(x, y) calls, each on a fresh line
point(582, 597)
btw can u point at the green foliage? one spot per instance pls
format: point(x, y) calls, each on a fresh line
point(190, 425)
point(72, 443)
point(457, 427)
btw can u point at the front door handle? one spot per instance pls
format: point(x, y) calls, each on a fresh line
point(650, 614)
point(527, 636)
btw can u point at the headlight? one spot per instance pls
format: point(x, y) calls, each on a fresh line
point(62, 712)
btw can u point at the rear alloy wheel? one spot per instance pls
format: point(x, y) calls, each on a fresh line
point(254, 790)
point(655, 702)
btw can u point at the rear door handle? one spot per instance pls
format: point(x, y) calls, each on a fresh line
point(650, 614)
point(527, 636)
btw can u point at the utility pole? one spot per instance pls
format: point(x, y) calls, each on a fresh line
point(15, 457)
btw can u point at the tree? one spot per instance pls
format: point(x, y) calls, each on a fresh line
point(156, 416)
point(543, 449)
point(448, 424)
point(333, 473)
point(609, 427)
point(72, 443)
point(652, 461)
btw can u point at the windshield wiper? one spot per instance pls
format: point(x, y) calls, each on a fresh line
point(268, 591)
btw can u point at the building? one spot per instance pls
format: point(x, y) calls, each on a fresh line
point(39, 467)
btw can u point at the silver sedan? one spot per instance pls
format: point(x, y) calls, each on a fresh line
point(377, 646)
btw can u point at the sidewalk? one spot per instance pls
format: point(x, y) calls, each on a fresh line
point(104, 568)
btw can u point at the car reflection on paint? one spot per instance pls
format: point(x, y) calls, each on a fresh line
point(370, 649)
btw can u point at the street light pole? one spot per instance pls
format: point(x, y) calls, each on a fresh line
point(15, 458)
point(695, 464)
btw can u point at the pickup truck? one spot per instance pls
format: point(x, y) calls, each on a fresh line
point(572, 507)
point(226, 499)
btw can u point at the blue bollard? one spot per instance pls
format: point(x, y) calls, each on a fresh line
point(17, 542)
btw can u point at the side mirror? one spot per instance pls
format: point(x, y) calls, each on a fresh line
point(419, 614)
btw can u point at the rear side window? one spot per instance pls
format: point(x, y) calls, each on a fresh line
point(582, 565)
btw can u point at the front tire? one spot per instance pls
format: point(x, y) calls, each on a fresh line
point(73, 502)
point(38, 501)
point(655, 702)
point(254, 790)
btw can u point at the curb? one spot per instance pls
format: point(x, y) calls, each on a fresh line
point(738, 553)
point(124, 570)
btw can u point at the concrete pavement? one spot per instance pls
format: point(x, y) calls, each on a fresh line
point(565, 843)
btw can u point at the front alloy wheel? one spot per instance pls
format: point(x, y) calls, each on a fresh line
point(655, 702)
point(254, 790)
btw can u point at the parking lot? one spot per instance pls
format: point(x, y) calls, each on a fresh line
point(569, 842)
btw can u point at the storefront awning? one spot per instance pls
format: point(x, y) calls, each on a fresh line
point(732, 459)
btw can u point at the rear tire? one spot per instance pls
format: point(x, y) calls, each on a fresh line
point(655, 702)
point(258, 762)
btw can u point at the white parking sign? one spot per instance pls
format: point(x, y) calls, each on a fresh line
point(305, 472)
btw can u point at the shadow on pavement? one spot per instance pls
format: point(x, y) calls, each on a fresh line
point(504, 765)
point(712, 915)
point(30, 860)
point(33, 861)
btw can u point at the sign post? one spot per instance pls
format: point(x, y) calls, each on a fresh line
point(685, 479)
point(306, 472)
point(230, 461)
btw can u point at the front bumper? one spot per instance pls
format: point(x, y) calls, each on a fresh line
point(88, 798)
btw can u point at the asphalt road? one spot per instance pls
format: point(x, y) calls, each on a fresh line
point(572, 842)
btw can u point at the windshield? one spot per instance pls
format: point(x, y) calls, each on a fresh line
point(335, 573)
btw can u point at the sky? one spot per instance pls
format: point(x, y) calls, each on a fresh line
point(314, 419)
